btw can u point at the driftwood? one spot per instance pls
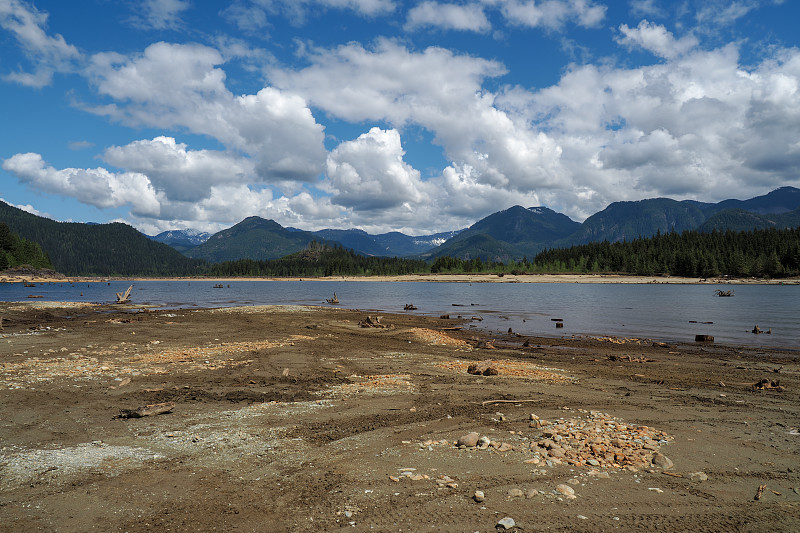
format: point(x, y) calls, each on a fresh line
point(147, 410)
point(760, 491)
point(489, 402)
point(124, 297)
point(410, 307)
point(719, 292)
point(370, 322)
point(703, 338)
point(485, 345)
point(333, 300)
point(483, 368)
point(768, 384)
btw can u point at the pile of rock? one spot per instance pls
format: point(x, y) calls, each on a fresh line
point(594, 439)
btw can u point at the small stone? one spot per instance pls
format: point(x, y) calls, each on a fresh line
point(698, 476)
point(515, 493)
point(573, 481)
point(662, 461)
point(478, 496)
point(483, 442)
point(506, 523)
point(470, 440)
point(566, 490)
point(505, 447)
point(581, 517)
point(593, 462)
point(531, 493)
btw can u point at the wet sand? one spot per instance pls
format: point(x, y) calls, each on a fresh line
point(291, 418)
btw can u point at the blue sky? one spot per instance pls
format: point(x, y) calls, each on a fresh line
point(390, 115)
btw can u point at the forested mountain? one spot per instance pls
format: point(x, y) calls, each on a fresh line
point(98, 249)
point(508, 234)
point(624, 221)
point(358, 240)
point(741, 220)
point(319, 259)
point(252, 238)
point(16, 251)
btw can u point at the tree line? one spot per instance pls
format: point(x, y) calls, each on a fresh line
point(319, 260)
point(769, 253)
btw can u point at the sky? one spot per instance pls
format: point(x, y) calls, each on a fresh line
point(388, 115)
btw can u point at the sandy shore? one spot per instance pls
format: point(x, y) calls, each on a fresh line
point(445, 278)
point(293, 418)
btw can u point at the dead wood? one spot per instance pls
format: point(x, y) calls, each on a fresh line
point(124, 297)
point(147, 410)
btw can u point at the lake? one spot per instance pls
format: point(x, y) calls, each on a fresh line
point(664, 312)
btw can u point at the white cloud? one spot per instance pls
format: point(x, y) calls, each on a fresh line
point(160, 14)
point(698, 126)
point(369, 173)
point(656, 39)
point(468, 17)
point(173, 85)
point(49, 54)
point(440, 91)
point(183, 175)
point(92, 186)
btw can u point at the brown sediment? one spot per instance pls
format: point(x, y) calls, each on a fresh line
point(290, 418)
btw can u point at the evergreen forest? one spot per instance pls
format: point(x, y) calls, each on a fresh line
point(767, 253)
point(16, 251)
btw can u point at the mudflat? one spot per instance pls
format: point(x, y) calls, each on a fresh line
point(300, 419)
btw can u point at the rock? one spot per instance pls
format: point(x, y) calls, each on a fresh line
point(662, 461)
point(483, 368)
point(515, 493)
point(531, 493)
point(484, 442)
point(593, 462)
point(478, 496)
point(698, 476)
point(470, 440)
point(506, 523)
point(566, 490)
point(505, 447)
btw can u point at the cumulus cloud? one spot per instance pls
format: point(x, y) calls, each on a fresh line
point(93, 186)
point(470, 17)
point(439, 91)
point(656, 39)
point(369, 173)
point(697, 126)
point(182, 174)
point(172, 85)
point(160, 14)
point(49, 54)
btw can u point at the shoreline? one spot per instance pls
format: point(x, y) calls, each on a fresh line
point(435, 278)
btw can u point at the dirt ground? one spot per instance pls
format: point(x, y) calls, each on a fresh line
point(297, 419)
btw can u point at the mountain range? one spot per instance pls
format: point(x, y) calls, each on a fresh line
point(512, 233)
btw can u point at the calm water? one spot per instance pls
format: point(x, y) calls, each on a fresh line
point(661, 312)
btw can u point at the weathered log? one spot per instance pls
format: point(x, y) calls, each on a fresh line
point(703, 338)
point(124, 297)
point(147, 410)
point(371, 322)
